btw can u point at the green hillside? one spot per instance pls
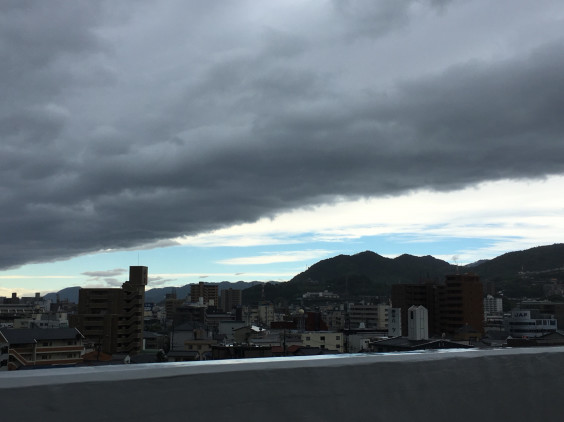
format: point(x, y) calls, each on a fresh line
point(363, 274)
point(518, 274)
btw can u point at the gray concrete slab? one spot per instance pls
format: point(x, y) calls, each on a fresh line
point(508, 384)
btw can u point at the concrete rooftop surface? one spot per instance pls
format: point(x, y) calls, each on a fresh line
point(462, 385)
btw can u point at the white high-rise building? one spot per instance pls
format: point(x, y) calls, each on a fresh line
point(417, 323)
point(493, 306)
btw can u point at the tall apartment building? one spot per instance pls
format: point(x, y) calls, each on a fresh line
point(462, 303)
point(207, 294)
point(428, 295)
point(113, 318)
point(455, 304)
point(230, 298)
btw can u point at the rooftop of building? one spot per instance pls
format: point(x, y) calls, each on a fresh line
point(75, 375)
point(32, 335)
point(467, 385)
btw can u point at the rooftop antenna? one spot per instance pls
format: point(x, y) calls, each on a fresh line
point(455, 259)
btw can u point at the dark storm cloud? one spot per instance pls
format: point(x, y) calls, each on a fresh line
point(114, 138)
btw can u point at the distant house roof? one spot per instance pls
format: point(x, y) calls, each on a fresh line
point(189, 326)
point(290, 350)
point(144, 358)
point(253, 328)
point(554, 338)
point(32, 335)
point(313, 351)
point(97, 356)
point(405, 344)
point(150, 334)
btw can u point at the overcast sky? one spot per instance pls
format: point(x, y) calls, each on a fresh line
point(249, 139)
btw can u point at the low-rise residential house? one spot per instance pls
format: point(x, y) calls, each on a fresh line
point(404, 344)
point(271, 339)
point(155, 341)
point(39, 347)
point(357, 340)
point(329, 340)
point(553, 338)
point(227, 328)
point(182, 356)
point(245, 334)
point(43, 320)
point(213, 319)
point(201, 347)
point(10, 312)
point(241, 352)
point(184, 332)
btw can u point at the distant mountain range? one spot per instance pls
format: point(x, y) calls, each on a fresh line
point(155, 295)
point(519, 273)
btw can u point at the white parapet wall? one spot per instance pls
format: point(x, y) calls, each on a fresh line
point(454, 385)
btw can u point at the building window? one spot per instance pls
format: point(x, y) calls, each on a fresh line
point(308, 338)
point(322, 338)
point(337, 337)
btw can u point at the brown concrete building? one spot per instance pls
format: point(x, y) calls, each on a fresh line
point(230, 298)
point(456, 304)
point(113, 318)
point(462, 304)
point(207, 294)
point(406, 295)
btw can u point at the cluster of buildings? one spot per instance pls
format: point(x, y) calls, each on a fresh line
point(116, 325)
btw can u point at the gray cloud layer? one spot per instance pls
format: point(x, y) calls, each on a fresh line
point(122, 126)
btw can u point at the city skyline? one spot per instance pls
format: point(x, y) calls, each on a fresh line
point(250, 140)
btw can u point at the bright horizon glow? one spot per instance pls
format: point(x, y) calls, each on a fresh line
point(476, 223)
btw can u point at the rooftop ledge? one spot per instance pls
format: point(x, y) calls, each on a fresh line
point(500, 384)
point(56, 376)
